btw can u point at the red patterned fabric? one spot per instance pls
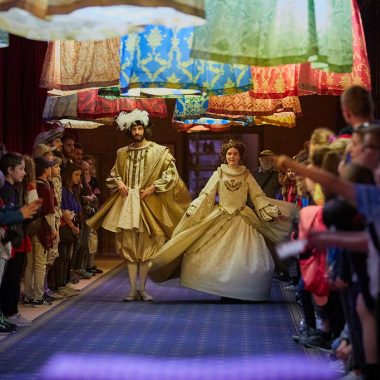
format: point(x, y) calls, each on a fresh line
point(90, 105)
point(301, 79)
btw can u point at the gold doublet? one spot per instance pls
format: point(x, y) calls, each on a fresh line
point(142, 226)
point(135, 156)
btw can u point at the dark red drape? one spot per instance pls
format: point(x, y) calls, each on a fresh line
point(370, 12)
point(21, 99)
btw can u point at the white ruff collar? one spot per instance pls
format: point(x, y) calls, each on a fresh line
point(233, 171)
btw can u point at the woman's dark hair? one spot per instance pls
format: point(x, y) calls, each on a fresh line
point(70, 168)
point(10, 160)
point(237, 144)
point(30, 177)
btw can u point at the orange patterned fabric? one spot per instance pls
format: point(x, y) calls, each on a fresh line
point(73, 65)
point(243, 104)
point(302, 79)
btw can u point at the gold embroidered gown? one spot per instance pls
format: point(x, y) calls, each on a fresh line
point(221, 246)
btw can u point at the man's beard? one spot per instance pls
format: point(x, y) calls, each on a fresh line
point(139, 138)
point(267, 166)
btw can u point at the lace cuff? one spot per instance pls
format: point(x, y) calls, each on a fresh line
point(111, 182)
point(269, 213)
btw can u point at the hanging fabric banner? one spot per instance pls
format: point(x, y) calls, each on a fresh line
point(90, 105)
point(303, 79)
point(190, 106)
point(160, 57)
point(58, 107)
point(79, 20)
point(243, 104)
point(46, 8)
point(277, 32)
point(72, 65)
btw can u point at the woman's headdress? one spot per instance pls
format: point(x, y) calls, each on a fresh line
point(239, 145)
point(126, 120)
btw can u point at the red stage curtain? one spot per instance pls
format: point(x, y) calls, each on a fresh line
point(21, 99)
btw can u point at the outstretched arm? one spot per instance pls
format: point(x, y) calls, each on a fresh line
point(327, 180)
point(354, 241)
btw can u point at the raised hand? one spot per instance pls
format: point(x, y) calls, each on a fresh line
point(31, 209)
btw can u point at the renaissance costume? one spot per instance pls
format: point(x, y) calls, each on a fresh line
point(153, 218)
point(220, 249)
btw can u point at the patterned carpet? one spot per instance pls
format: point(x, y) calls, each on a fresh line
point(181, 324)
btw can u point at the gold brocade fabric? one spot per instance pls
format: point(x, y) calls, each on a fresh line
point(72, 65)
point(282, 119)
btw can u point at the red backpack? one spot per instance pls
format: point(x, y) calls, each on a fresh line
point(312, 262)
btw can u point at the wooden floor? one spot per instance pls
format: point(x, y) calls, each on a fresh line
point(105, 263)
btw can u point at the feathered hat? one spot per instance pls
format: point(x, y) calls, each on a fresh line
point(126, 120)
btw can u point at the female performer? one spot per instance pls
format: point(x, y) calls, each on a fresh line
point(222, 247)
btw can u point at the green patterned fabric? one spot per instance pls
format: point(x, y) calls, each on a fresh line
point(276, 32)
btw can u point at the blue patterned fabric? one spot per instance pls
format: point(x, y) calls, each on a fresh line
point(190, 106)
point(160, 57)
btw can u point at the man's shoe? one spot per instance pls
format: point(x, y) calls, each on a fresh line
point(321, 340)
point(6, 325)
point(42, 302)
point(133, 295)
point(282, 276)
point(86, 275)
point(65, 293)
point(27, 302)
point(19, 320)
point(82, 274)
point(71, 286)
point(304, 332)
point(94, 269)
point(5, 329)
point(48, 298)
point(145, 296)
point(74, 278)
point(54, 295)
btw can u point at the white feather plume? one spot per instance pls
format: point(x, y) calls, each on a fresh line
point(126, 120)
